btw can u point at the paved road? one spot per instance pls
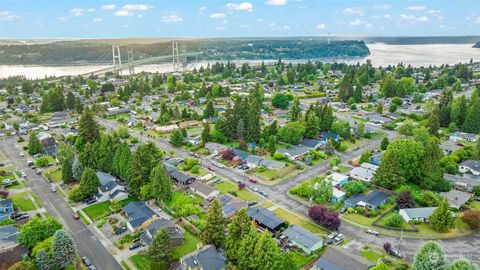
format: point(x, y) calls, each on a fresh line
point(455, 248)
point(88, 244)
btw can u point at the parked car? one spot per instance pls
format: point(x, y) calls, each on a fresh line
point(22, 154)
point(252, 180)
point(15, 214)
point(92, 267)
point(343, 210)
point(339, 238)
point(263, 193)
point(211, 168)
point(90, 201)
point(21, 217)
point(252, 203)
point(370, 231)
point(120, 230)
point(396, 253)
point(75, 217)
point(135, 246)
point(330, 241)
point(86, 261)
point(30, 163)
point(38, 172)
point(53, 189)
point(477, 199)
point(332, 235)
point(254, 188)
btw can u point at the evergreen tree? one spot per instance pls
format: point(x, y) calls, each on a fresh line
point(104, 153)
point(78, 106)
point(209, 110)
point(430, 256)
point(358, 93)
point(312, 127)
point(214, 232)
point(176, 138)
point(67, 170)
point(88, 157)
point(70, 101)
point(206, 136)
point(285, 261)
point(379, 109)
point(441, 219)
point(472, 120)
point(87, 127)
point(272, 145)
point(345, 88)
point(295, 111)
point(266, 252)
point(384, 144)
point(433, 124)
point(34, 145)
point(461, 265)
point(64, 250)
point(445, 107)
point(147, 157)
point(77, 169)
point(238, 228)
point(122, 161)
point(459, 110)
point(160, 184)
point(360, 130)
point(42, 261)
point(388, 175)
point(246, 251)
point(89, 182)
point(160, 249)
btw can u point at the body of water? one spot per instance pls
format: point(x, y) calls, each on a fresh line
point(380, 55)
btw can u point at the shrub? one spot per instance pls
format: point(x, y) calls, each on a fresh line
point(195, 169)
point(322, 215)
point(395, 221)
point(360, 210)
point(76, 194)
point(41, 162)
point(472, 218)
point(279, 156)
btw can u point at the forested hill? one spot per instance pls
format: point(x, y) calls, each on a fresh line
point(64, 53)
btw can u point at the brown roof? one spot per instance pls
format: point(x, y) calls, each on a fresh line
point(10, 256)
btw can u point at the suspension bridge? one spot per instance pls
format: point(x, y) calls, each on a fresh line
point(177, 54)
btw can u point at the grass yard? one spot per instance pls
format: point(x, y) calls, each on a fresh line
point(292, 218)
point(271, 175)
point(190, 243)
point(267, 204)
point(97, 210)
point(360, 119)
point(22, 201)
point(227, 187)
point(141, 261)
point(16, 185)
point(383, 221)
point(82, 217)
point(37, 201)
point(357, 218)
point(301, 259)
point(125, 266)
point(474, 204)
point(370, 255)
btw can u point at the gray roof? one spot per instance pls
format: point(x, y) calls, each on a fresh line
point(336, 258)
point(375, 198)
point(202, 188)
point(158, 224)
point(302, 236)
point(206, 258)
point(138, 212)
point(295, 150)
point(469, 179)
point(265, 217)
point(419, 213)
point(456, 198)
point(311, 143)
point(107, 181)
point(472, 164)
point(5, 202)
point(8, 235)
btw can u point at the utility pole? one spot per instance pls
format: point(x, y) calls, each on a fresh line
point(117, 59)
point(131, 67)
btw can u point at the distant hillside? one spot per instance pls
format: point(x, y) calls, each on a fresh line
point(476, 45)
point(99, 51)
point(423, 40)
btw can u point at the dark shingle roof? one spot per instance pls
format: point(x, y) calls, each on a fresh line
point(302, 236)
point(265, 217)
point(206, 258)
point(138, 213)
point(337, 259)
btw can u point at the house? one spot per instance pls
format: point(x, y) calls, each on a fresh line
point(338, 258)
point(461, 136)
point(449, 146)
point(109, 188)
point(265, 218)
point(337, 179)
point(372, 201)
point(364, 172)
point(117, 110)
point(138, 213)
point(421, 214)
point(205, 258)
point(178, 176)
point(303, 239)
point(338, 195)
point(376, 158)
point(465, 182)
point(253, 161)
point(326, 136)
point(242, 155)
point(313, 144)
point(271, 164)
point(456, 198)
point(8, 236)
point(294, 152)
point(176, 234)
point(230, 205)
point(204, 191)
point(45, 139)
point(470, 166)
point(6, 208)
point(10, 250)
point(215, 148)
point(379, 120)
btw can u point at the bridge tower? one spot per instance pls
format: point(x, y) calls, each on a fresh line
point(175, 56)
point(184, 56)
point(117, 59)
point(131, 66)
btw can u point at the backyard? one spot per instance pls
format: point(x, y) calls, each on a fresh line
point(243, 194)
point(292, 219)
point(98, 210)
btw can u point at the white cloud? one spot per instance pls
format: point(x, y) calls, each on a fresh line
point(77, 11)
point(276, 2)
point(475, 21)
point(246, 6)
point(369, 25)
point(408, 19)
point(202, 9)
point(91, 10)
point(423, 19)
point(387, 16)
point(218, 15)
point(416, 8)
point(224, 22)
point(135, 7)
point(109, 7)
point(381, 7)
point(356, 22)
point(7, 16)
point(98, 19)
point(173, 18)
point(244, 26)
point(321, 26)
point(354, 11)
point(123, 13)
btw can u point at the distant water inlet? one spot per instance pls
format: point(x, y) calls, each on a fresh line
point(380, 55)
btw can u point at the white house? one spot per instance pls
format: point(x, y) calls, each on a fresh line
point(109, 188)
point(337, 179)
point(422, 213)
point(303, 239)
point(461, 136)
point(362, 174)
point(204, 191)
point(470, 166)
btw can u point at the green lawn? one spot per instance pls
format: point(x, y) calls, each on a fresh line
point(227, 187)
point(141, 261)
point(22, 201)
point(35, 198)
point(360, 119)
point(474, 204)
point(370, 255)
point(17, 185)
point(125, 266)
point(190, 243)
point(292, 218)
point(357, 218)
point(301, 259)
point(97, 210)
point(82, 217)
point(383, 221)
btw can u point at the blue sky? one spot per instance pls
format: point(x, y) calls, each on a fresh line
point(200, 18)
